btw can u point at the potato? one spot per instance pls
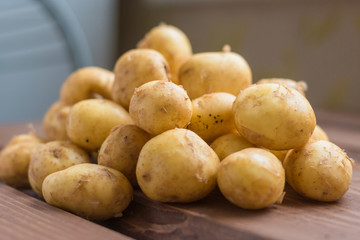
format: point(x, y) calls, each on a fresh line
point(300, 86)
point(172, 43)
point(280, 154)
point(273, 116)
point(54, 122)
point(52, 157)
point(215, 72)
point(121, 150)
point(177, 166)
point(90, 121)
point(85, 83)
point(91, 191)
point(319, 134)
point(158, 106)
point(320, 170)
point(212, 115)
point(15, 158)
point(252, 178)
point(133, 69)
point(228, 144)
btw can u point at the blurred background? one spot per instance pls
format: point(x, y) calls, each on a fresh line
point(43, 41)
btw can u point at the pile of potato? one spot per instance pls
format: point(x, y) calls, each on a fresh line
point(177, 125)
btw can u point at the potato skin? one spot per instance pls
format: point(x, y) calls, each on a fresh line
point(172, 43)
point(86, 83)
point(15, 158)
point(52, 157)
point(54, 121)
point(252, 178)
point(177, 166)
point(320, 170)
point(274, 117)
point(228, 144)
point(158, 106)
point(300, 86)
point(121, 150)
point(214, 72)
point(91, 191)
point(319, 134)
point(133, 69)
point(212, 115)
point(90, 121)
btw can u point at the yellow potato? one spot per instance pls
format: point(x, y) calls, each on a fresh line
point(300, 86)
point(133, 69)
point(52, 157)
point(54, 122)
point(85, 83)
point(15, 158)
point(158, 106)
point(273, 116)
point(177, 166)
point(91, 191)
point(228, 144)
point(121, 150)
point(215, 72)
point(212, 115)
point(90, 121)
point(172, 43)
point(252, 178)
point(320, 170)
point(319, 134)
point(280, 154)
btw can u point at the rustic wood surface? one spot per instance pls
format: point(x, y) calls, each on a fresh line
point(25, 217)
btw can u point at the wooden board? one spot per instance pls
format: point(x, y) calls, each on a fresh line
point(210, 218)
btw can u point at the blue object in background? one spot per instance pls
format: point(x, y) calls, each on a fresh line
point(41, 43)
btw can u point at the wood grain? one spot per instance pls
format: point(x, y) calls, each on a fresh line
point(211, 218)
point(25, 217)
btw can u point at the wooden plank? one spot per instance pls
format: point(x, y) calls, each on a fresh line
point(25, 217)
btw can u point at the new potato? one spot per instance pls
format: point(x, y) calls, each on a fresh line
point(215, 72)
point(121, 150)
point(15, 158)
point(172, 43)
point(85, 83)
point(320, 170)
point(90, 121)
point(91, 191)
point(133, 69)
point(228, 144)
point(177, 166)
point(252, 178)
point(52, 157)
point(300, 86)
point(212, 115)
point(54, 122)
point(158, 106)
point(273, 116)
